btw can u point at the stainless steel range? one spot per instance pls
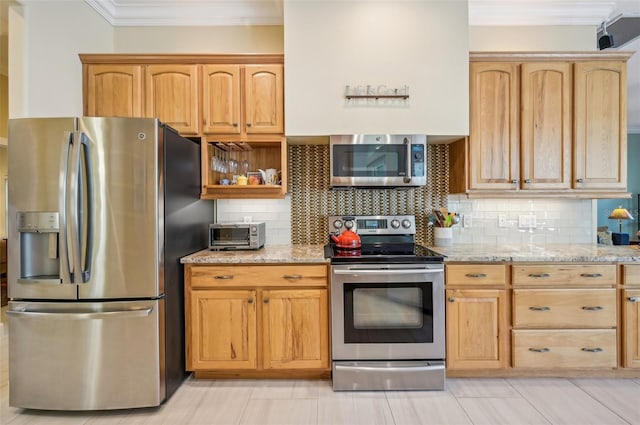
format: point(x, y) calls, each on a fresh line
point(387, 303)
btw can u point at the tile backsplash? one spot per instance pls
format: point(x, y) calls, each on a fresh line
point(300, 218)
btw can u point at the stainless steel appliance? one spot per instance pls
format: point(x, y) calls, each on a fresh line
point(387, 308)
point(380, 160)
point(237, 235)
point(100, 211)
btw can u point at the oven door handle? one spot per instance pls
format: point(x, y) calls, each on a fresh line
point(388, 368)
point(387, 271)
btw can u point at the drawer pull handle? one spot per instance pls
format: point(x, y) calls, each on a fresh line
point(540, 308)
point(594, 308)
point(292, 276)
point(539, 350)
point(592, 350)
point(590, 274)
point(539, 275)
point(476, 275)
point(224, 276)
point(634, 299)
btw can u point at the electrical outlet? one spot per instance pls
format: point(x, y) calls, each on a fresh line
point(527, 221)
point(502, 220)
point(467, 220)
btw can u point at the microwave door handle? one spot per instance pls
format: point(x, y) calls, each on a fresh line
point(407, 177)
point(63, 235)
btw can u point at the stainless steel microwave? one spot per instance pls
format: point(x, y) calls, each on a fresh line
point(237, 235)
point(378, 160)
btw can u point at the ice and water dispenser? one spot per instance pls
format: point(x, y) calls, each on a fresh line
point(39, 257)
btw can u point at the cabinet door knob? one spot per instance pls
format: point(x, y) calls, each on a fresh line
point(527, 180)
point(593, 308)
point(592, 350)
point(515, 181)
point(579, 180)
point(634, 299)
point(266, 301)
point(451, 299)
point(248, 124)
point(235, 124)
point(539, 350)
point(250, 300)
point(476, 275)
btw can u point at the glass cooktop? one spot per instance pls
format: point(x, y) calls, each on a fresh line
point(383, 252)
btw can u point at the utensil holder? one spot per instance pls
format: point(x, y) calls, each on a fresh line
point(442, 236)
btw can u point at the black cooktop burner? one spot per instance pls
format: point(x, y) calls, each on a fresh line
point(383, 252)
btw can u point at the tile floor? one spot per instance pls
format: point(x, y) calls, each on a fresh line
point(301, 402)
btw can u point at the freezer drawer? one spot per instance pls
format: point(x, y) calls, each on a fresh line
point(86, 356)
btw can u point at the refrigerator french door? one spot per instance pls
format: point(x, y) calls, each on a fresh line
point(100, 210)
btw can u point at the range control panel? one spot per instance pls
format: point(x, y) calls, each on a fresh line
point(373, 224)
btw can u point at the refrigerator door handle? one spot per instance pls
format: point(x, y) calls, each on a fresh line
point(82, 315)
point(72, 207)
point(88, 190)
point(63, 236)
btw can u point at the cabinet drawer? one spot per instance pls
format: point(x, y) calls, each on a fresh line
point(571, 348)
point(578, 274)
point(250, 275)
point(564, 308)
point(476, 274)
point(631, 274)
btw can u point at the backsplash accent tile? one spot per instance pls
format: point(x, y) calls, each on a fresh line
point(312, 198)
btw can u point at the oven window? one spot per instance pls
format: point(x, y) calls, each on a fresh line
point(388, 312)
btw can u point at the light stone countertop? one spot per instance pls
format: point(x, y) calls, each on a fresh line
point(266, 254)
point(549, 253)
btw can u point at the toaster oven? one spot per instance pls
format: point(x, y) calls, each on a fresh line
point(236, 235)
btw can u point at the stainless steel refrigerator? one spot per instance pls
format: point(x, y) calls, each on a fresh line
point(100, 211)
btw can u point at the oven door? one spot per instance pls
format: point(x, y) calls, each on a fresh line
point(364, 160)
point(388, 311)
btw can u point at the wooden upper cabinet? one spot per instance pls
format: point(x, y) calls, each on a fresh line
point(546, 121)
point(600, 156)
point(264, 98)
point(221, 99)
point(171, 94)
point(113, 90)
point(494, 129)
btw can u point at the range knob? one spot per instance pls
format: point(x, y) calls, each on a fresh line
point(406, 223)
point(349, 224)
point(337, 224)
point(395, 223)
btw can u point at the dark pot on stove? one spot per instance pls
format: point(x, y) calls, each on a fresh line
point(347, 240)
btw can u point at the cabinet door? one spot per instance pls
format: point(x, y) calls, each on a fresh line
point(172, 96)
point(477, 329)
point(264, 98)
point(631, 331)
point(295, 329)
point(600, 151)
point(221, 99)
point(494, 130)
point(221, 330)
point(546, 120)
point(113, 91)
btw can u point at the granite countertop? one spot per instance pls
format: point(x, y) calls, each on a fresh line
point(266, 254)
point(548, 253)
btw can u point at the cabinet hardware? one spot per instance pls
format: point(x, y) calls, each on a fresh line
point(592, 350)
point(539, 275)
point(248, 124)
point(595, 307)
point(590, 274)
point(224, 276)
point(477, 275)
point(634, 299)
point(451, 299)
point(266, 301)
point(515, 181)
point(579, 180)
point(540, 308)
point(527, 180)
point(235, 124)
point(250, 300)
point(292, 276)
point(539, 350)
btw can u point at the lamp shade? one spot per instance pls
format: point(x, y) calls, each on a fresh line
point(620, 214)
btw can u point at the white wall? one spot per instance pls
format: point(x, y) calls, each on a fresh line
point(422, 44)
point(532, 38)
point(47, 80)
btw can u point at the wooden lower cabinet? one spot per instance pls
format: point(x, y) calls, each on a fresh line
point(252, 320)
point(477, 329)
point(631, 327)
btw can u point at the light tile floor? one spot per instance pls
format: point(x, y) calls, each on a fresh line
point(302, 402)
